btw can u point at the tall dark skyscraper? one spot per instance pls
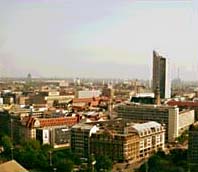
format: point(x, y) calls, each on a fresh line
point(160, 75)
point(29, 78)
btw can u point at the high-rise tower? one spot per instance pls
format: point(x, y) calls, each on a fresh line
point(160, 75)
point(29, 78)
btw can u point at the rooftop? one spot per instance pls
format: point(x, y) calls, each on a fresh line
point(83, 126)
point(183, 103)
point(12, 166)
point(150, 106)
point(148, 126)
point(32, 122)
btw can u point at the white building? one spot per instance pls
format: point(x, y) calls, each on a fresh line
point(152, 137)
point(88, 93)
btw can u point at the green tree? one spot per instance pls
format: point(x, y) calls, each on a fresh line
point(32, 144)
point(177, 169)
point(143, 168)
point(176, 161)
point(32, 156)
point(64, 165)
point(45, 149)
point(7, 146)
point(154, 163)
point(103, 162)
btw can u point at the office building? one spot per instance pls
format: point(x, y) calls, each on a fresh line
point(176, 122)
point(185, 105)
point(56, 136)
point(193, 143)
point(88, 93)
point(161, 78)
point(80, 139)
point(120, 140)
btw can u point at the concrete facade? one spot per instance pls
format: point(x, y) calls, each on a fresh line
point(161, 76)
point(193, 144)
point(80, 139)
point(120, 140)
point(174, 121)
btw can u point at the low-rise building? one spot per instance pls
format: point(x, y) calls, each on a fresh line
point(88, 93)
point(57, 136)
point(54, 131)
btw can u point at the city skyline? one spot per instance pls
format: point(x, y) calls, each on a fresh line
point(110, 39)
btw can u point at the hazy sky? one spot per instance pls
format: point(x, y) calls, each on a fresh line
point(97, 38)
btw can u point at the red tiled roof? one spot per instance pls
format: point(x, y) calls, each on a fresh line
point(88, 100)
point(183, 103)
point(58, 121)
point(82, 100)
point(46, 122)
point(95, 101)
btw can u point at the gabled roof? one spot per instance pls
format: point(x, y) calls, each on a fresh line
point(70, 121)
point(12, 166)
point(32, 122)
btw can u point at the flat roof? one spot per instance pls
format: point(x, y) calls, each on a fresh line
point(151, 106)
point(83, 126)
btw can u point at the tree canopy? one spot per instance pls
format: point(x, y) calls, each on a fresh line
point(175, 161)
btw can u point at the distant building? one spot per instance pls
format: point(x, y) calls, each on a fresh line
point(108, 91)
point(58, 99)
point(88, 93)
point(161, 75)
point(80, 104)
point(63, 83)
point(29, 78)
point(175, 121)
